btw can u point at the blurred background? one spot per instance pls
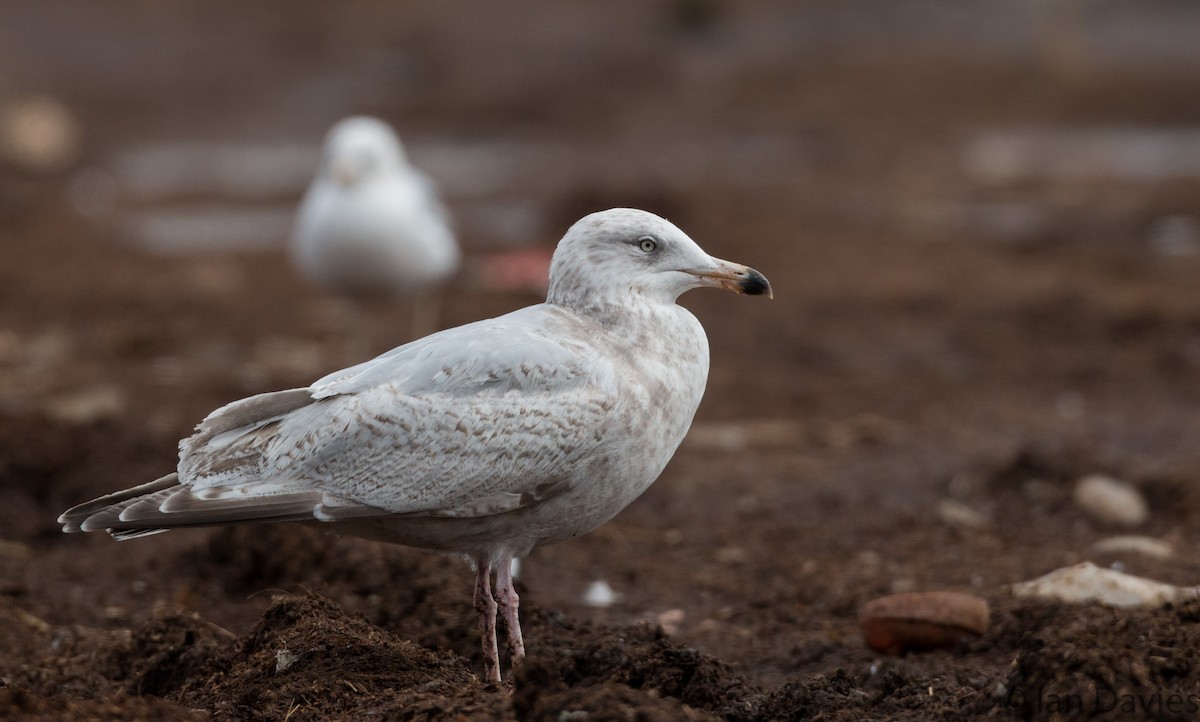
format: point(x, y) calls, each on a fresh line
point(913, 146)
point(981, 219)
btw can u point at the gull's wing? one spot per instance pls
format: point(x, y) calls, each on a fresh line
point(473, 421)
point(512, 352)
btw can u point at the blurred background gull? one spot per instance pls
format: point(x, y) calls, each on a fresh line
point(371, 225)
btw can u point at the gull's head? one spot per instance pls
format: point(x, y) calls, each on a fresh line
point(610, 256)
point(360, 148)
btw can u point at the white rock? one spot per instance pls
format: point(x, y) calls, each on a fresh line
point(39, 134)
point(1110, 500)
point(1149, 546)
point(1087, 582)
point(283, 659)
point(960, 516)
point(670, 621)
point(599, 594)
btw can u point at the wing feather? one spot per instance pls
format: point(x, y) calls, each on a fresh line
point(473, 421)
point(180, 506)
point(73, 518)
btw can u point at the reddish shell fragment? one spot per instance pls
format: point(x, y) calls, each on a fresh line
point(918, 621)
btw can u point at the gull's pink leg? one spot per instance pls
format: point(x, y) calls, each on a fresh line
point(506, 595)
point(485, 607)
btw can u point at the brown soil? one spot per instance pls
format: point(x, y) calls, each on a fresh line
point(905, 362)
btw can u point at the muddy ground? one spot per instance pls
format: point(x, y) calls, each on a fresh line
point(956, 319)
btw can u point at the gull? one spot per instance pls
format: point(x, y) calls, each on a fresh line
point(371, 224)
point(486, 440)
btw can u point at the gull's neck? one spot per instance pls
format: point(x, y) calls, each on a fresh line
point(610, 309)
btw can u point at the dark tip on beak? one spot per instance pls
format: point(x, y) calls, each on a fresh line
point(755, 284)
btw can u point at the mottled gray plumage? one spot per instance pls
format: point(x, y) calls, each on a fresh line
point(488, 439)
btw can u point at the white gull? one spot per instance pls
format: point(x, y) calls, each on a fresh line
point(371, 224)
point(485, 440)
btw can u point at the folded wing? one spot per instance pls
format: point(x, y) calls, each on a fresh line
point(474, 421)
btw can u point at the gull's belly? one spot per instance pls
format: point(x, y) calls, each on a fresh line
point(644, 435)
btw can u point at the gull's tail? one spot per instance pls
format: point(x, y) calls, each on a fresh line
point(166, 504)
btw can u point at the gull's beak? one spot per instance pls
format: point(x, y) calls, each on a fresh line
point(733, 277)
point(344, 171)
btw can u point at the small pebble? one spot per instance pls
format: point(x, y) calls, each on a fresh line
point(732, 436)
point(1146, 545)
point(670, 621)
point(917, 621)
point(283, 659)
point(39, 134)
point(14, 549)
point(87, 406)
point(960, 516)
point(731, 555)
point(1111, 501)
point(599, 594)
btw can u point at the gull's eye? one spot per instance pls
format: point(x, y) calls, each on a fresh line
point(647, 244)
